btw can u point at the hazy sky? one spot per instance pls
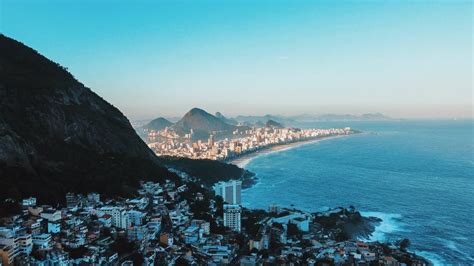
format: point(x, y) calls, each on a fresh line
point(148, 58)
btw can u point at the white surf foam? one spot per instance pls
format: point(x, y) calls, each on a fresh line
point(432, 257)
point(390, 224)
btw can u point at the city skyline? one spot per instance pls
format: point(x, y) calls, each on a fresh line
point(406, 60)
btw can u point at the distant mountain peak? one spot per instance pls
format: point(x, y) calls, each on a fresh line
point(196, 110)
point(158, 124)
point(225, 119)
point(201, 123)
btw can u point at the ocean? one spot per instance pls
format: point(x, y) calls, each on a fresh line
point(418, 176)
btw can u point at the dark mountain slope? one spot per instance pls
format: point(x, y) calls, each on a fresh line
point(56, 135)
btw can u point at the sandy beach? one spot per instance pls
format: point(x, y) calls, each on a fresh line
point(243, 160)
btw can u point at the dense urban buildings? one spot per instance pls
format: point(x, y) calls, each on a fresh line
point(185, 224)
point(168, 143)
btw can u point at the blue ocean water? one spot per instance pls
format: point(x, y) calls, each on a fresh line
point(418, 176)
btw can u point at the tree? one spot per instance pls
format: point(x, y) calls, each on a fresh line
point(386, 249)
point(105, 232)
point(137, 258)
point(200, 209)
point(76, 253)
point(404, 243)
point(292, 230)
point(217, 229)
point(122, 246)
point(9, 207)
point(219, 203)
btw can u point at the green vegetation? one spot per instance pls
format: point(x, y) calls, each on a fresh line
point(208, 172)
point(404, 243)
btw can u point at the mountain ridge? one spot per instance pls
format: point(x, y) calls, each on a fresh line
point(56, 135)
point(273, 124)
point(229, 121)
point(201, 123)
point(156, 124)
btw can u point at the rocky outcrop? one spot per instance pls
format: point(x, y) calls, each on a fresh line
point(349, 223)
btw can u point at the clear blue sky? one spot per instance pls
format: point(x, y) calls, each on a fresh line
point(404, 58)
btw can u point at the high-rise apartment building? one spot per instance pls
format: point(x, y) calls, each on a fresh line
point(232, 216)
point(230, 191)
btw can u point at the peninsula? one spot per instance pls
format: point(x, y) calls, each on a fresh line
point(217, 140)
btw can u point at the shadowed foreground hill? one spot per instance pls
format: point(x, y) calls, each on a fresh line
point(208, 172)
point(56, 135)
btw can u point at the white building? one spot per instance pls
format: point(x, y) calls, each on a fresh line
point(72, 200)
point(220, 255)
point(136, 233)
point(54, 227)
point(41, 240)
point(93, 197)
point(230, 191)
point(106, 220)
point(302, 220)
point(15, 242)
point(51, 215)
point(7, 236)
point(29, 202)
point(140, 203)
point(135, 217)
point(205, 226)
point(25, 243)
point(232, 216)
point(119, 216)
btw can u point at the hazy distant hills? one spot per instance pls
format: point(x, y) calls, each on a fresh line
point(341, 117)
point(199, 122)
point(229, 121)
point(56, 135)
point(273, 124)
point(261, 120)
point(202, 123)
point(159, 123)
point(292, 120)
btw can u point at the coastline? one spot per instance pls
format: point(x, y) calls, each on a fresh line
point(243, 160)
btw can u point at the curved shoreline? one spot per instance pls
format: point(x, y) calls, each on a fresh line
point(243, 160)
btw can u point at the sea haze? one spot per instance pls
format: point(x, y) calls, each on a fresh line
point(418, 176)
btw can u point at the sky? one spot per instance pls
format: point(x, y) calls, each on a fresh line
point(407, 59)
